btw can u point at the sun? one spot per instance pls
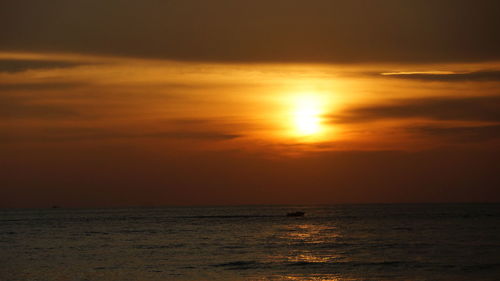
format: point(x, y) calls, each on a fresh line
point(307, 115)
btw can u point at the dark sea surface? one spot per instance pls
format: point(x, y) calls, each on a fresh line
point(340, 242)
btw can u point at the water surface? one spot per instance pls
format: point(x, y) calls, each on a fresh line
point(341, 242)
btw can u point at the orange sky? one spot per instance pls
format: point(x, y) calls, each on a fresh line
point(90, 123)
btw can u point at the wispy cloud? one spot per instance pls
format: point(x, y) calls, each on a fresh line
point(463, 109)
point(40, 86)
point(446, 76)
point(199, 135)
point(12, 66)
point(20, 108)
point(65, 134)
point(460, 133)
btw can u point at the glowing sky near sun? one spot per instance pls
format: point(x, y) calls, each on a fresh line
point(222, 106)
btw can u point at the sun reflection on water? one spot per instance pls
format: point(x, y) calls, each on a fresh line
point(303, 238)
point(310, 233)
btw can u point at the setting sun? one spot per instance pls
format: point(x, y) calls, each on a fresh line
point(307, 115)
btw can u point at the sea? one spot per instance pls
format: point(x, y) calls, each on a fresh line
point(335, 242)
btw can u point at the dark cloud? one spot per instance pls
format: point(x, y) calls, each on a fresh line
point(190, 121)
point(485, 75)
point(462, 134)
point(39, 86)
point(85, 133)
point(259, 30)
point(464, 109)
point(12, 66)
point(200, 135)
point(20, 108)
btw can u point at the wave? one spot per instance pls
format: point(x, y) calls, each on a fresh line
point(230, 216)
point(239, 265)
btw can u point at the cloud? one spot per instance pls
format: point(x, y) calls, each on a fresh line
point(20, 108)
point(12, 66)
point(64, 134)
point(259, 30)
point(199, 135)
point(460, 133)
point(190, 121)
point(39, 86)
point(484, 75)
point(463, 109)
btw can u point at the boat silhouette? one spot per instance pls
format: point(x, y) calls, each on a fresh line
point(295, 214)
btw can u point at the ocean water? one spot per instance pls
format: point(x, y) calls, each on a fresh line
point(341, 242)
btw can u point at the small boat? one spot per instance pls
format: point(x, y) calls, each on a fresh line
point(295, 214)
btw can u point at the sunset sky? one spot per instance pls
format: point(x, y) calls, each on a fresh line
point(224, 102)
